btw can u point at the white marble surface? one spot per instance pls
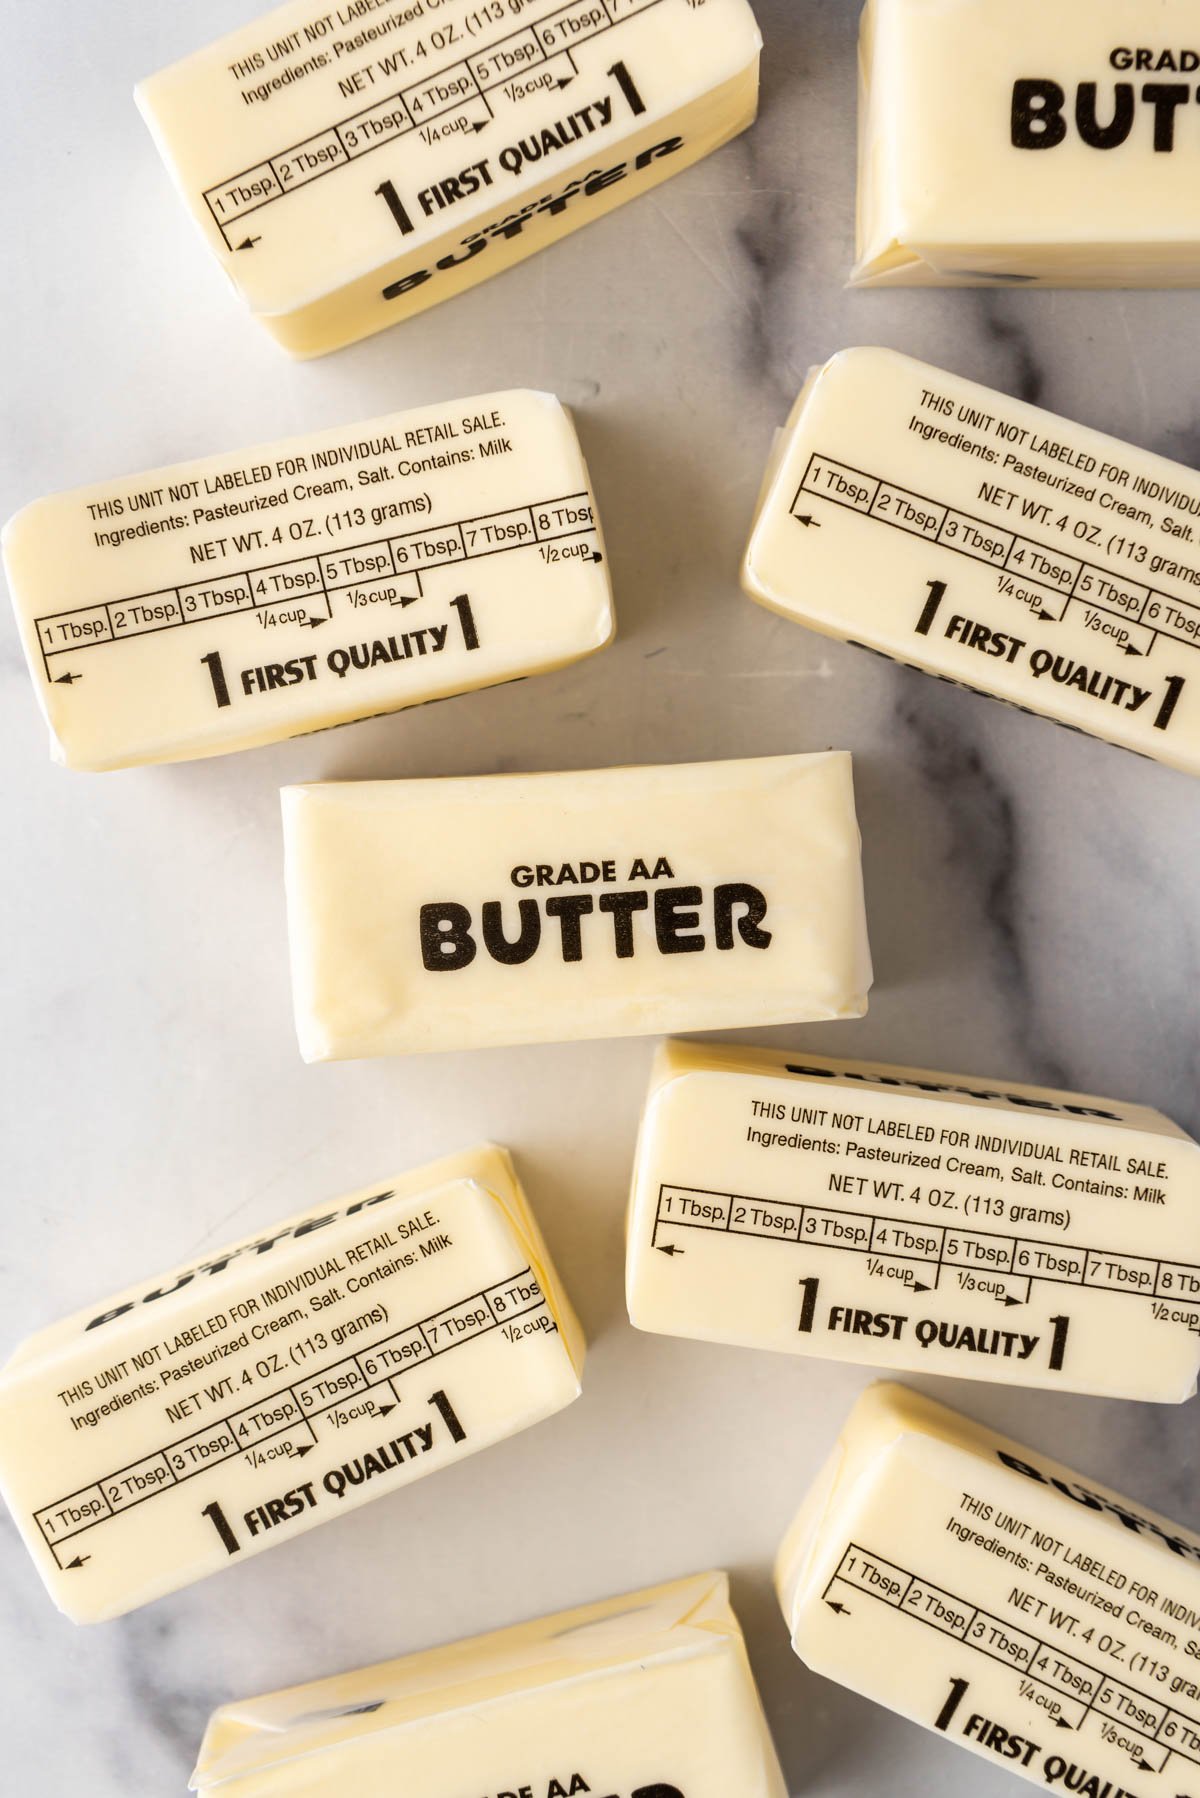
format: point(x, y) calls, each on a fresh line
point(1032, 892)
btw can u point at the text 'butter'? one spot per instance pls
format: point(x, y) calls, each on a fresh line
point(452, 914)
point(1008, 142)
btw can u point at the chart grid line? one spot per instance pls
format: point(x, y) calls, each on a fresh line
point(936, 1246)
point(1159, 613)
point(315, 576)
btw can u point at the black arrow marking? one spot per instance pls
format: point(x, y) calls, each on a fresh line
point(382, 1410)
point(668, 1248)
point(808, 519)
point(1145, 1767)
point(482, 126)
point(596, 556)
point(1049, 617)
point(1131, 651)
point(1010, 1301)
point(405, 599)
point(77, 1562)
point(306, 1450)
point(917, 1287)
point(1061, 1723)
point(841, 1609)
point(566, 81)
point(65, 680)
point(248, 243)
point(314, 623)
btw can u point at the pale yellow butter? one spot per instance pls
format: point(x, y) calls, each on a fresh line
point(450, 914)
point(1014, 141)
point(987, 541)
point(349, 171)
point(987, 1592)
point(234, 601)
point(193, 1421)
point(974, 1228)
point(645, 1696)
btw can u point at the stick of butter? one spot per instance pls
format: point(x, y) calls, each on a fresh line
point(991, 543)
point(253, 596)
point(532, 908)
point(916, 1221)
point(648, 1696)
point(348, 173)
point(281, 1382)
point(987, 1592)
point(1005, 141)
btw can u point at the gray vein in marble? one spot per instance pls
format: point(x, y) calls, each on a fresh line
point(765, 235)
point(768, 235)
point(1028, 378)
point(1153, 1436)
point(1181, 444)
point(983, 818)
point(1169, 917)
point(172, 1708)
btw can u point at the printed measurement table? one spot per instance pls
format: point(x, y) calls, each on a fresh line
point(1081, 1689)
point(928, 1247)
point(290, 1407)
point(1059, 578)
point(319, 578)
point(465, 82)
